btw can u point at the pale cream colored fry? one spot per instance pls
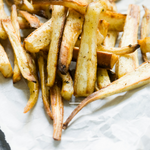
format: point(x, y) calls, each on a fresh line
point(5, 66)
point(18, 50)
point(129, 62)
point(45, 89)
point(86, 67)
point(67, 86)
point(57, 110)
point(14, 20)
point(58, 22)
point(39, 39)
point(132, 80)
point(72, 30)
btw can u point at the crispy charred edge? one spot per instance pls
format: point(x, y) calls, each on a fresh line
point(42, 71)
point(56, 99)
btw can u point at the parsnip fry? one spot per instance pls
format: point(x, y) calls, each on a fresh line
point(33, 20)
point(85, 75)
point(145, 44)
point(23, 23)
point(145, 30)
point(119, 51)
point(14, 20)
point(132, 80)
point(129, 62)
point(104, 59)
point(18, 50)
point(39, 39)
point(5, 66)
point(72, 30)
point(45, 89)
point(58, 21)
point(34, 87)
point(67, 86)
point(57, 110)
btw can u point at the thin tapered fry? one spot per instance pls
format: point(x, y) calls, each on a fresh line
point(57, 110)
point(18, 50)
point(23, 23)
point(72, 30)
point(129, 62)
point(39, 39)
point(5, 66)
point(85, 75)
point(45, 89)
point(132, 80)
point(145, 30)
point(104, 59)
point(58, 21)
point(33, 20)
point(119, 50)
point(14, 19)
point(67, 86)
point(34, 87)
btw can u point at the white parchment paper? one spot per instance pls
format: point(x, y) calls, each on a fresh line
point(119, 122)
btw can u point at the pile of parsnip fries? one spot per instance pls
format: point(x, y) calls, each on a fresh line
point(84, 31)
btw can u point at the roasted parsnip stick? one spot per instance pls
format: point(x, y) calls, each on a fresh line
point(132, 80)
point(145, 30)
point(58, 21)
point(85, 75)
point(67, 86)
point(57, 110)
point(72, 30)
point(5, 66)
point(45, 89)
point(23, 23)
point(14, 20)
point(129, 62)
point(18, 50)
point(39, 39)
point(119, 51)
point(145, 44)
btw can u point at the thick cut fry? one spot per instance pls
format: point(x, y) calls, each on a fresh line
point(18, 50)
point(33, 20)
point(57, 110)
point(39, 39)
point(145, 30)
point(67, 86)
point(72, 30)
point(116, 21)
point(145, 44)
point(14, 20)
point(45, 89)
point(104, 60)
point(119, 51)
point(85, 75)
point(58, 21)
point(5, 66)
point(129, 62)
point(34, 87)
point(132, 80)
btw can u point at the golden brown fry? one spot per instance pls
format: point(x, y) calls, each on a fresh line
point(57, 110)
point(39, 39)
point(67, 86)
point(18, 50)
point(34, 87)
point(119, 50)
point(145, 44)
point(129, 62)
point(5, 66)
point(23, 23)
point(58, 21)
point(45, 89)
point(14, 19)
point(132, 80)
point(85, 75)
point(104, 59)
point(116, 20)
point(145, 29)
point(72, 30)
point(33, 20)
